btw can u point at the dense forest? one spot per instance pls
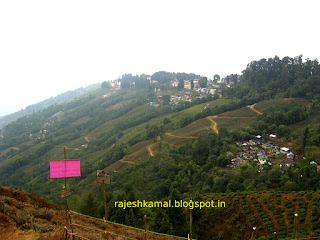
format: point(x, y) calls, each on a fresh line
point(172, 151)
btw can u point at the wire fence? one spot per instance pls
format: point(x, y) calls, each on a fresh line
point(97, 228)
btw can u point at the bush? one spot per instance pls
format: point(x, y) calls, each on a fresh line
point(314, 219)
point(24, 221)
point(236, 217)
point(309, 196)
point(315, 226)
point(43, 213)
point(43, 228)
point(262, 238)
point(282, 210)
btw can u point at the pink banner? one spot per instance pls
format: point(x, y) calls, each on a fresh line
point(64, 168)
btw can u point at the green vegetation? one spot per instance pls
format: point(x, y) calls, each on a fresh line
point(172, 151)
point(62, 98)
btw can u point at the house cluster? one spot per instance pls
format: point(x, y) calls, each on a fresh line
point(175, 99)
point(154, 104)
point(115, 84)
point(263, 152)
point(313, 163)
point(153, 81)
point(43, 131)
point(210, 88)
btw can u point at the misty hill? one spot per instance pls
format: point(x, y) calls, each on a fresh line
point(62, 98)
point(172, 138)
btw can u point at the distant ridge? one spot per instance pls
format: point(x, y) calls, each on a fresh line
point(61, 98)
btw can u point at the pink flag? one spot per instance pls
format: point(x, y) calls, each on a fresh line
point(64, 168)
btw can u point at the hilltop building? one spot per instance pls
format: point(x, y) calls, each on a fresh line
point(187, 84)
point(196, 83)
point(175, 83)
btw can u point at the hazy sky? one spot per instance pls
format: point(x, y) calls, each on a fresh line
point(49, 47)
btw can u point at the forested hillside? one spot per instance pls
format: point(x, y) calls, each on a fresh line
point(161, 140)
point(62, 98)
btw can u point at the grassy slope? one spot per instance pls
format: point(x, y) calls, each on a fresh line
point(231, 120)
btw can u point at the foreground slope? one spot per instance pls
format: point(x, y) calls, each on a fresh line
point(27, 216)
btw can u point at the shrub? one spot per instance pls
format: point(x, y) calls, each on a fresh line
point(315, 226)
point(43, 213)
point(282, 228)
point(314, 219)
point(236, 217)
point(24, 221)
point(43, 228)
point(309, 195)
point(262, 238)
point(253, 221)
point(279, 200)
point(302, 204)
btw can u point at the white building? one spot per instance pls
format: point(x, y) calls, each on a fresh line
point(284, 150)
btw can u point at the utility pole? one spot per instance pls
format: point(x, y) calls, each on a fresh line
point(253, 233)
point(295, 224)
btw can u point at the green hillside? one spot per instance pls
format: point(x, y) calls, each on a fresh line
point(161, 142)
point(62, 98)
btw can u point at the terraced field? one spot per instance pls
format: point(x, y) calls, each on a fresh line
point(245, 112)
point(272, 213)
point(260, 106)
point(201, 126)
point(234, 122)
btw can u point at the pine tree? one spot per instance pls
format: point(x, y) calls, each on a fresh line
point(89, 205)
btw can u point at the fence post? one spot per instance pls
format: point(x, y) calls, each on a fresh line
point(66, 232)
point(105, 206)
point(145, 227)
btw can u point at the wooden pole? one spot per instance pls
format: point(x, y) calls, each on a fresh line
point(253, 232)
point(105, 206)
point(295, 224)
point(145, 227)
point(66, 237)
point(66, 200)
point(190, 222)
